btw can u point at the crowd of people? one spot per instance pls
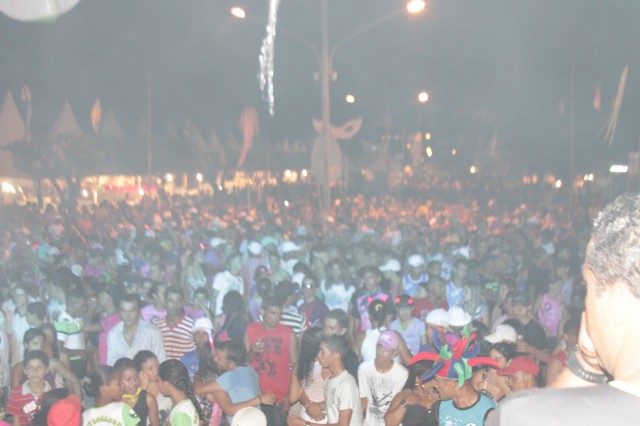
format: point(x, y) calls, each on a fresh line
point(417, 310)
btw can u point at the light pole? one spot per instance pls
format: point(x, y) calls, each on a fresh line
point(325, 60)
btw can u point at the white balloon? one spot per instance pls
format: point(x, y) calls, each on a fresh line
point(36, 10)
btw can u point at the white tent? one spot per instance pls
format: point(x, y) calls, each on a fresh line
point(66, 124)
point(12, 128)
point(110, 126)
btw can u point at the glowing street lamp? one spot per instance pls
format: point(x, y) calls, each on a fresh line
point(416, 6)
point(350, 99)
point(423, 97)
point(238, 12)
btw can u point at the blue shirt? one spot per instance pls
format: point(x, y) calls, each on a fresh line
point(242, 384)
point(449, 414)
point(191, 360)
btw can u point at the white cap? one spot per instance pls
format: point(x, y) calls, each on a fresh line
point(202, 324)
point(149, 233)
point(458, 317)
point(503, 333)
point(288, 247)
point(77, 270)
point(254, 248)
point(249, 416)
point(438, 317)
point(53, 251)
point(391, 265)
point(415, 261)
point(297, 278)
point(215, 242)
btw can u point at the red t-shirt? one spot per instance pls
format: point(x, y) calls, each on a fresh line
point(23, 404)
point(273, 363)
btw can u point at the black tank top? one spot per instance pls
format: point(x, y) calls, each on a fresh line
point(141, 408)
point(418, 415)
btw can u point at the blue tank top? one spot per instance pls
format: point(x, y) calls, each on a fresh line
point(474, 415)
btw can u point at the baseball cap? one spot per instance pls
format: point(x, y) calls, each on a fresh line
point(404, 300)
point(415, 261)
point(249, 416)
point(503, 333)
point(438, 317)
point(215, 242)
point(254, 248)
point(202, 324)
point(391, 265)
point(520, 298)
point(521, 363)
point(389, 340)
point(288, 247)
point(458, 317)
point(66, 412)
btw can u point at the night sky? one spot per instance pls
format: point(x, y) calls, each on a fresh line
point(493, 66)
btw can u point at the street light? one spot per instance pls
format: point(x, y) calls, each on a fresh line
point(423, 97)
point(350, 99)
point(325, 60)
point(238, 12)
point(326, 70)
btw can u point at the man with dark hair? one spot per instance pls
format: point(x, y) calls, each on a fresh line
point(238, 386)
point(342, 402)
point(337, 324)
point(608, 339)
point(273, 349)
point(285, 293)
point(36, 314)
point(70, 331)
point(370, 291)
point(533, 339)
point(132, 334)
point(176, 327)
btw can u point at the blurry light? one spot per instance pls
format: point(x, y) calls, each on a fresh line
point(85, 193)
point(199, 177)
point(429, 152)
point(287, 173)
point(473, 170)
point(337, 202)
point(408, 170)
point(350, 99)
point(141, 191)
point(454, 152)
point(219, 187)
point(415, 6)
point(8, 188)
point(427, 136)
point(286, 203)
point(423, 97)
point(558, 184)
point(619, 168)
point(304, 173)
point(588, 177)
point(408, 146)
point(169, 177)
point(238, 12)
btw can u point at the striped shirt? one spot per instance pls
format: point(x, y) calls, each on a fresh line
point(295, 321)
point(178, 340)
point(23, 404)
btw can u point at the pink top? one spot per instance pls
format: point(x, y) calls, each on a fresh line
point(150, 313)
point(550, 314)
point(107, 324)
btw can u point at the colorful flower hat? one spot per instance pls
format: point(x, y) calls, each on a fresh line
point(455, 359)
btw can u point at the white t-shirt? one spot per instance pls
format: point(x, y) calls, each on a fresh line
point(224, 282)
point(113, 414)
point(337, 296)
point(379, 389)
point(183, 413)
point(341, 393)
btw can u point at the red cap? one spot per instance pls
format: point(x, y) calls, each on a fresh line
point(521, 363)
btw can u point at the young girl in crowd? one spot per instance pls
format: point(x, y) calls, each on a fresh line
point(105, 387)
point(147, 365)
point(175, 383)
point(142, 402)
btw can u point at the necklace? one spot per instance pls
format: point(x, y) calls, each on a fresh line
point(130, 396)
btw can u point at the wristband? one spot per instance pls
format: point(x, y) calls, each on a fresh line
point(574, 366)
point(404, 403)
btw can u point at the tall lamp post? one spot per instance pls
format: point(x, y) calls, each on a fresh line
point(326, 68)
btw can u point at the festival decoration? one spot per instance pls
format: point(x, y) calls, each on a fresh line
point(36, 10)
